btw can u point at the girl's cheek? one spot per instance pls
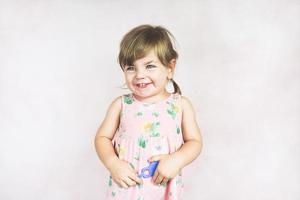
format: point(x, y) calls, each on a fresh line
point(128, 78)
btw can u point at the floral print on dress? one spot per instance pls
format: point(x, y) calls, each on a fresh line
point(139, 114)
point(110, 181)
point(173, 109)
point(145, 130)
point(178, 131)
point(155, 114)
point(142, 141)
point(128, 100)
point(151, 129)
point(121, 151)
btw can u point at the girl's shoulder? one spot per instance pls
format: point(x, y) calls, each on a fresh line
point(176, 96)
point(117, 101)
point(186, 104)
point(116, 104)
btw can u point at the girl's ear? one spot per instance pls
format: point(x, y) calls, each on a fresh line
point(171, 68)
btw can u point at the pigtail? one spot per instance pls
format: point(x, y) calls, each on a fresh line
point(176, 87)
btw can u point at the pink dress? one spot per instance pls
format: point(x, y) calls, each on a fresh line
point(145, 130)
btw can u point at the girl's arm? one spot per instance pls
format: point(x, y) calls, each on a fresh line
point(170, 165)
point(105, 134)
point(192, 146)
point(120, 170)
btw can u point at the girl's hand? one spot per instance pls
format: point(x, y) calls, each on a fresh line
point(124, 174)
point(167, 168)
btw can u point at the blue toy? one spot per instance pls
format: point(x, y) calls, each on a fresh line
point(149, 170)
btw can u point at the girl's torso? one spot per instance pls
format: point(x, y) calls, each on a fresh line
point(145, 130)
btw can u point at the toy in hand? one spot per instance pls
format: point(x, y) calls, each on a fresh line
point(149, 170)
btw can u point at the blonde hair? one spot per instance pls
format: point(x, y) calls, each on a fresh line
point(141, 39)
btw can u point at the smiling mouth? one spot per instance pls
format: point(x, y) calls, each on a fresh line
point(142, 85)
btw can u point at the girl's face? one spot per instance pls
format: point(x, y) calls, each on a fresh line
point(147, 78)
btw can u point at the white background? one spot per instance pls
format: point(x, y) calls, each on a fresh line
point(238, 63)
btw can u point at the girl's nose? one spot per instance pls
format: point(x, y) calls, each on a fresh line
point(140, 74)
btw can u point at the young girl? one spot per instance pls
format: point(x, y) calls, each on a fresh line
point(149, 135)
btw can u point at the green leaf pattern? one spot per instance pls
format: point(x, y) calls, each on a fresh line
point(128, 100)
point(142, 142)
point(173, 109)
point(151, 129)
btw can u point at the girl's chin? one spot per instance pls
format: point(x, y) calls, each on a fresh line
point(143, 93)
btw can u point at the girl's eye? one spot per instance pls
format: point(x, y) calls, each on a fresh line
point(129, 68)
point(150, 66)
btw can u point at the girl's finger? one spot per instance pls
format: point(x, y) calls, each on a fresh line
point(129, 182)
point(159, 179)
point(131, 166)
point(165, 181)
point(155, 175)
point(123, 184)
point(132, 169)
point(136, 178)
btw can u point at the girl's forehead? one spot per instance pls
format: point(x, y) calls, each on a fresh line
point(150, 57)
